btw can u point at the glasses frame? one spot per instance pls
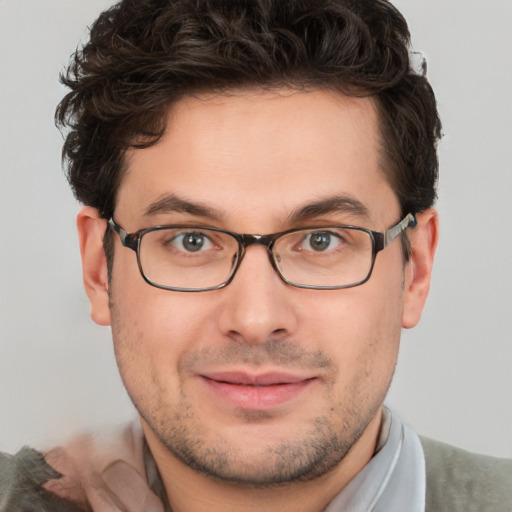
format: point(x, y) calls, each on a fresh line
point(380, 240)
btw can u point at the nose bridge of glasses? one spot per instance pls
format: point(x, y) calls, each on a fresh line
point(265, 240)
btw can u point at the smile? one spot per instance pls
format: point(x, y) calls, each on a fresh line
point(255, 392)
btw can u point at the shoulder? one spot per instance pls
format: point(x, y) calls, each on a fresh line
point(91, 468)
point(461, 481)
point(21, 484)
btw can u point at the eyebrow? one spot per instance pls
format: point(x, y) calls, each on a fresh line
point(334, 204)
point(340, 203)
point(174, 204)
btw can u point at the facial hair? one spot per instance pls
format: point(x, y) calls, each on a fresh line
point(321, 444)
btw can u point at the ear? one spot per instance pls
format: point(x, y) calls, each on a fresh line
point(91, 230)
point(423, 238)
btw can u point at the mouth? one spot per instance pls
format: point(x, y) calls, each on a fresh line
point(256, 392)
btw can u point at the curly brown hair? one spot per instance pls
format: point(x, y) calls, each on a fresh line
point(143, 55)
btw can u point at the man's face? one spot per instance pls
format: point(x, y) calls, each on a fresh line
point(258, 382)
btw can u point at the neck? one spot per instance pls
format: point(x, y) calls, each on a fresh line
point(182, 483)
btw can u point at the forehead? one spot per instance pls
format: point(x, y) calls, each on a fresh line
point(260, 154)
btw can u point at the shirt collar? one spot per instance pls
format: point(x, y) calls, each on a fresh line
point(394, 478)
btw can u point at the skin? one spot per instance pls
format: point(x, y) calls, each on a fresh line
point(250, 160)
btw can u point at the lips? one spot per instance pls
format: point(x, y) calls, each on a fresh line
point(242, 378)
point(255, 392)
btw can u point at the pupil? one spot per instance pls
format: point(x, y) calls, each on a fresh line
point(320, 241)
point(193, 242)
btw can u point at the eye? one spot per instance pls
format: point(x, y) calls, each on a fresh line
point(194, 241)
point(320, 241)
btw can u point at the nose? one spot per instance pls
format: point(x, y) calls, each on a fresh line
point(258, 305)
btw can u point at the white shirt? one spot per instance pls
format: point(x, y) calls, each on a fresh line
point(394, 478)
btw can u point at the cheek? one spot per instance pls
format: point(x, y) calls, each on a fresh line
point(151, 335)
point(153, 329)
point(359, 327)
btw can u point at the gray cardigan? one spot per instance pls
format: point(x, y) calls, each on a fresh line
point(460, 481)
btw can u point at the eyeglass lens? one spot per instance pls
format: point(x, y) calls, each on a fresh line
point(197, 258)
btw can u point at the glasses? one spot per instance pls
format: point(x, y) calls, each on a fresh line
point(195, 258)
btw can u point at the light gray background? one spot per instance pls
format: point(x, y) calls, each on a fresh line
point(454, 379)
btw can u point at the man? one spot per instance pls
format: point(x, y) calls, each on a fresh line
point(259, 180)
